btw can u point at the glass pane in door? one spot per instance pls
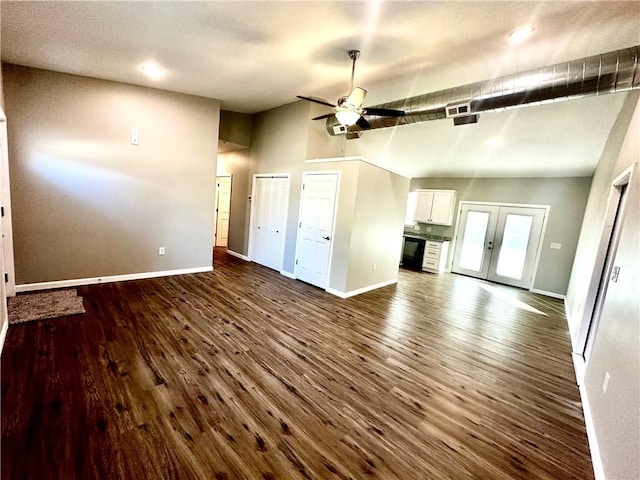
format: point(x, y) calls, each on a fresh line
point(513, 252)
point(472, 251)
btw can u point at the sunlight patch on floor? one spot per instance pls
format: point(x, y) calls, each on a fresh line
point(510, 300)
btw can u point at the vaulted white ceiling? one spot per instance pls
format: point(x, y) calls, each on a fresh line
point(258, 55)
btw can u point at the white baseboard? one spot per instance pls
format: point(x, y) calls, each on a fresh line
point(287, 274)
point(3, 334)
point(548, 294)
point(596, 460)
point(239, 255)
point(352, 293)
point(29, 287)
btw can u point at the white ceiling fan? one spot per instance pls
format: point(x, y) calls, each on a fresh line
point(348, 109)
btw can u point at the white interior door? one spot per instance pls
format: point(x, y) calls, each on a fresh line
point(315, 229)
point(271, 199)
point(475, 239)
point(499, 243)
point(223, 207)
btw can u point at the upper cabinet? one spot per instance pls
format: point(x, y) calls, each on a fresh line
point(435, 206)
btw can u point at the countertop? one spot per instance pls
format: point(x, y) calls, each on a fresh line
point(427, 236)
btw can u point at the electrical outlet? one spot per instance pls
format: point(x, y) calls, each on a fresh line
point(428, 229)
point(374, 266)
point(161, 251)
point(605, 383)
point(134, 136)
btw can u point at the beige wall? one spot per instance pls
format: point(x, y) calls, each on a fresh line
point(236, 128)
point(279, 145)
point(594, 216)
point(377, 227)
point(236, 164)
point(87, 203)
point(566, 196)
point(616, 348)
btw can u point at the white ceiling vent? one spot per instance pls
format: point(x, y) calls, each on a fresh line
point(458, 110)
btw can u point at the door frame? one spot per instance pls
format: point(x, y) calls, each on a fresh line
point(333, 226)
point(215, 211)
point(582, 342)
point(538, 254)
point(253, 208)
point(5, 201)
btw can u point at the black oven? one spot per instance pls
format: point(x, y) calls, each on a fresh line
point(413, 252)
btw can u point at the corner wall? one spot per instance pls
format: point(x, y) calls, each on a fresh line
point(376, 239)
point(612, 416)
point(594, 216)
point(86, 202)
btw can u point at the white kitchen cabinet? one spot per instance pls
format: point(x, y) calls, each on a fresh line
point(435, 206)
point(435, 256)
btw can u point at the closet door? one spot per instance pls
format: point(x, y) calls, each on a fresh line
point(271, 199)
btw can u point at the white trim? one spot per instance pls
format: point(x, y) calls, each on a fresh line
point(3, 335)
point(30, 287)
point(287, 274)
point(506, 204)
point(596, 459)
point(358, 291)
point(581, 341)
point(239, 255)
point(356, 158)
point(546, 293)
point(5, 199)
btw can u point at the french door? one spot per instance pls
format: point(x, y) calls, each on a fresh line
point(498, 243)
point(315, 230)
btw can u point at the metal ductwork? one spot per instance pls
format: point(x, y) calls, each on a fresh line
point(596, 75)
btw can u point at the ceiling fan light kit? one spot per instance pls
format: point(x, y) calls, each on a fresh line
point(347, 117)
point(348, 110)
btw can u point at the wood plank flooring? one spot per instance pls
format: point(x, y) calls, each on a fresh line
point(244, 374)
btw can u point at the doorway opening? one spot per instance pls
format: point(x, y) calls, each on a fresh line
point(499, 242)
point(604, 272)
point(223, 207)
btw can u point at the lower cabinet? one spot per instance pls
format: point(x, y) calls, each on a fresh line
point(435, 256)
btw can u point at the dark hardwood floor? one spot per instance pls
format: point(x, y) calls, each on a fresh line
point(244, 374)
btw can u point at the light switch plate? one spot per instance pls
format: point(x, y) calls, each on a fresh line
point(556, 246)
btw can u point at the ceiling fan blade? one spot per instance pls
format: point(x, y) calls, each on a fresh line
point(327, 115)
point(316, 100)
point(383, 112)
point(356, 97)
point(362, 123)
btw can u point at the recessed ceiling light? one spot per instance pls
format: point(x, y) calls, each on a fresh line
point(520, 34)
point(153, 70)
